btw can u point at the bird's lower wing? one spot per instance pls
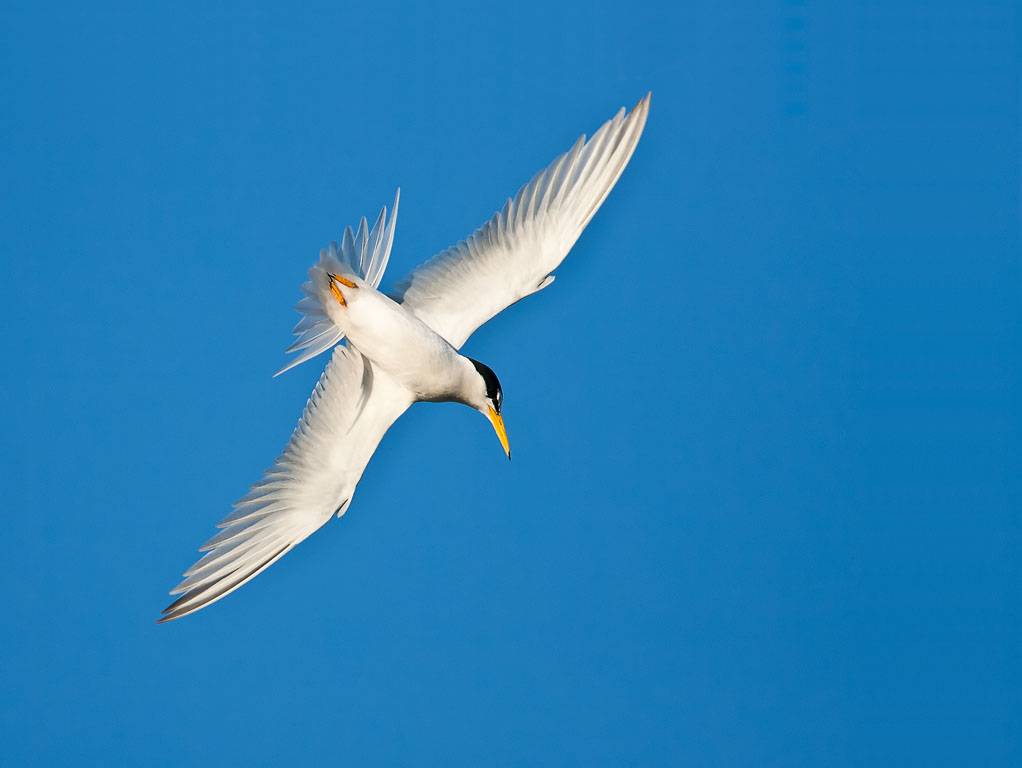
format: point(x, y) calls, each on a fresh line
point(352, 407)
point(513, 254)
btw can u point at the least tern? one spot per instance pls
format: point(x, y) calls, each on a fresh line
point(401, 348)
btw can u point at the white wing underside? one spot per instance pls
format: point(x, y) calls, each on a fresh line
point(352, 407)
point(355, 402)
point(513, 254)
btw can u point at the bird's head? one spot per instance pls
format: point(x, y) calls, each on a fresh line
point(487, 399)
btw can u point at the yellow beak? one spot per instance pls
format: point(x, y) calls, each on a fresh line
point(498, 424)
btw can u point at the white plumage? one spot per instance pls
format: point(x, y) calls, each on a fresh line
point(365, 254)
point(401, 348)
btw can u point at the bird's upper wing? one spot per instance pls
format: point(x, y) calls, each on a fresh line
point(513, 254)
point(347, 415)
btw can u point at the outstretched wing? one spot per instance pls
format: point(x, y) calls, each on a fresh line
point(363, 252)
point(513, 254)
point(347, 415)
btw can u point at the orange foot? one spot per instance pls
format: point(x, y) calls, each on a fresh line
point(334, 279)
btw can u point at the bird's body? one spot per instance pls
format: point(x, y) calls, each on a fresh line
point(401, 348)
point(398, 342)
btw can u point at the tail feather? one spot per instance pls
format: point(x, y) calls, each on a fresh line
point(362, 253)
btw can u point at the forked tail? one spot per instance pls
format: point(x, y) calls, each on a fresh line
point(364, 253)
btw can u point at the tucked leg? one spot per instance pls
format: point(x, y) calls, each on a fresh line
point(334, 280)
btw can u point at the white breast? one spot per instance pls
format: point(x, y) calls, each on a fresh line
point(397, 341)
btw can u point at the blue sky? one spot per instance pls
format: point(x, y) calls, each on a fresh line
point(764, 507)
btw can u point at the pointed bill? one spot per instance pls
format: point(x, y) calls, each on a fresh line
point(498, 425)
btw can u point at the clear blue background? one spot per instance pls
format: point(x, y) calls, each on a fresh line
point(765, 501)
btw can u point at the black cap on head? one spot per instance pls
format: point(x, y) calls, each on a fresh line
point(492, 385)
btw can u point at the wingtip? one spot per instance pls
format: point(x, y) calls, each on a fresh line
point(166, 615)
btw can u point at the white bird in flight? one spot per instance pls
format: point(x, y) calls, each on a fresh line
point(402, 348)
